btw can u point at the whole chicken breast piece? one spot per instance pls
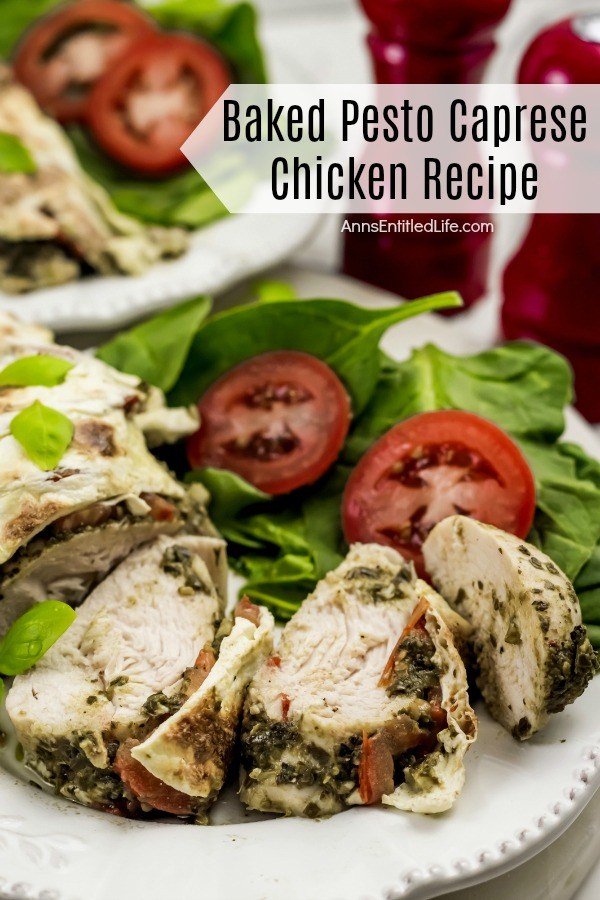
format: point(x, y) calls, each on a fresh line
point(532, 650)
point(365, 699)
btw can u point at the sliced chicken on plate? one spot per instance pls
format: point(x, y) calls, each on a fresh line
point(56, 222)
point(139, 676)
point(532, 650)
point(191, 751)
point(108, 493)
point(365, 700)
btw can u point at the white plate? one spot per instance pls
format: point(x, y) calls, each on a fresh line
point(219, 256)
point(517, 799)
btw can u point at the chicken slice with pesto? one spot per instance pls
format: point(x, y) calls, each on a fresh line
point(190, 752)
point(365, 700)
point(532, 651)
point(146, 664)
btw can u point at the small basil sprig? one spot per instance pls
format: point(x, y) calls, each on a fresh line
point(32, 635)
point(42, 370)
point(14, 155)
point(43, 433)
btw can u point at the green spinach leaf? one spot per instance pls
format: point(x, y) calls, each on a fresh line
point(230, 27)
point(16, 18)
point(522, 387)
point(343, 335)
point(183, 199)
point(156, 350)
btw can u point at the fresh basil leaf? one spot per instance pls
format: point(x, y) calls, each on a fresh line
point(14, 155)
point(32, 635)
point(341, 334)
point(44, 434)
point(156, 350)
point(43, 370)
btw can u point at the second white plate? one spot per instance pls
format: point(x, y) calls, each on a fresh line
point(220, 255)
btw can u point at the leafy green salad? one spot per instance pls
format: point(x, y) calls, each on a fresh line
point(283, 543)
point(179, 199)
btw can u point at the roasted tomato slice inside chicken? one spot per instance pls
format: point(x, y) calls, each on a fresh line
point(432, 466)
point(64, 54)
point(279, 420)
point(145, 108)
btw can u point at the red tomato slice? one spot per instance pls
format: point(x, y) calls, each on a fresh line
point(247, 610)
point(146, 107)
point(432, 466)
point(64, 53)
point(279, 420)
point(146, 787)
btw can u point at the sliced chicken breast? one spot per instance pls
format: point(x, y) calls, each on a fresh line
point(365, 700)
point(128, 660)
point(74, 554)
point(66, 567)
point(191, 751)
point(532, 650)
